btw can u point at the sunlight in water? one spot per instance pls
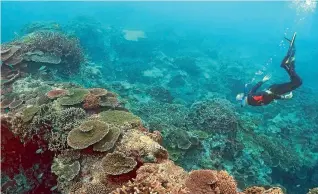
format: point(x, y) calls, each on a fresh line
point(305, 6)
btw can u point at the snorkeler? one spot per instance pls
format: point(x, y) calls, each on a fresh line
point(275, 91)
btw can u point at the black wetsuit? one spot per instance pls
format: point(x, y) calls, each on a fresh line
point(261, 98)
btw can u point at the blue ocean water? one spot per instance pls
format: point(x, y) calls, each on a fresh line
point(190, 53)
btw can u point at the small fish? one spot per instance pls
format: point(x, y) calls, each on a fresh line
point(53, 188)
point(42, 68)
point(40, 175)
point(39, 151)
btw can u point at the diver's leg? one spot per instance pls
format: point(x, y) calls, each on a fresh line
point(295, 82)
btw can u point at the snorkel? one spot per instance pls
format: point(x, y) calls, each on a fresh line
point(242, 97)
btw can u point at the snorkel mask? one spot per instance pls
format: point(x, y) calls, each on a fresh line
point(242, 96)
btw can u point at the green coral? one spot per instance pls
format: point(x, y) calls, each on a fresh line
point(77, 96)
point(78, 139)
point(120, 118)
point(65, 171)
point(29, 112)
point(108, 141)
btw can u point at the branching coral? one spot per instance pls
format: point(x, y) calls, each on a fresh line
point(117, 163)
point(80, 139)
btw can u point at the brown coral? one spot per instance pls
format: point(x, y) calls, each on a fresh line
point(56, 93)
point(91, 101)
point(136, 141)
point(313, 191)
point(211, 182)
point(109, 102)
point(98, 91)
point(202, 182)
point(254, 190)
point(164, 177)
point(109, 140)
point(78, 139)
point(117, 163)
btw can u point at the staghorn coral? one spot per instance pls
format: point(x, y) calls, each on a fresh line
point(29, 112)
point(68, 118)
point(56, 93)
point(78, 139)
point(65, 171)
point(120, 118)
point(91, 101)
point(108, 141)
point(117, 163)
point(210, 182)
point(135, 141)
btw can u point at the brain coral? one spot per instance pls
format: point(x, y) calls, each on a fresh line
point(78, 139)
point(117, 163)
point(77, 96)
point(109, 140)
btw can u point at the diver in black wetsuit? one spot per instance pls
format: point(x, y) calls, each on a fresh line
point(275, 91)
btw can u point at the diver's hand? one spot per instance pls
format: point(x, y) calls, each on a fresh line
point(288, 96)
point(266, 78)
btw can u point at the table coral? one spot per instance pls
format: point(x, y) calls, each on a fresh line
point(120, 118)
point(117, 163)
point(76, 96)
point(78, 139)
point(109, 140)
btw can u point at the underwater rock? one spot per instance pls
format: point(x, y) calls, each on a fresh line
point(117, 163)
point(78, 139)
point(133, 35)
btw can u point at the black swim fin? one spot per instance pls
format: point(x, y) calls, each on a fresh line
point(291, 49)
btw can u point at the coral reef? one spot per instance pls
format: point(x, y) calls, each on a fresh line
point(117, 163)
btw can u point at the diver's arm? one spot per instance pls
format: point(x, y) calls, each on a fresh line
point(256, 87)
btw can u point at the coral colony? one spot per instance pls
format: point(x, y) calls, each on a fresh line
point(71, 126)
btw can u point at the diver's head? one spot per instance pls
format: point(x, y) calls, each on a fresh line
point(240, 96)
